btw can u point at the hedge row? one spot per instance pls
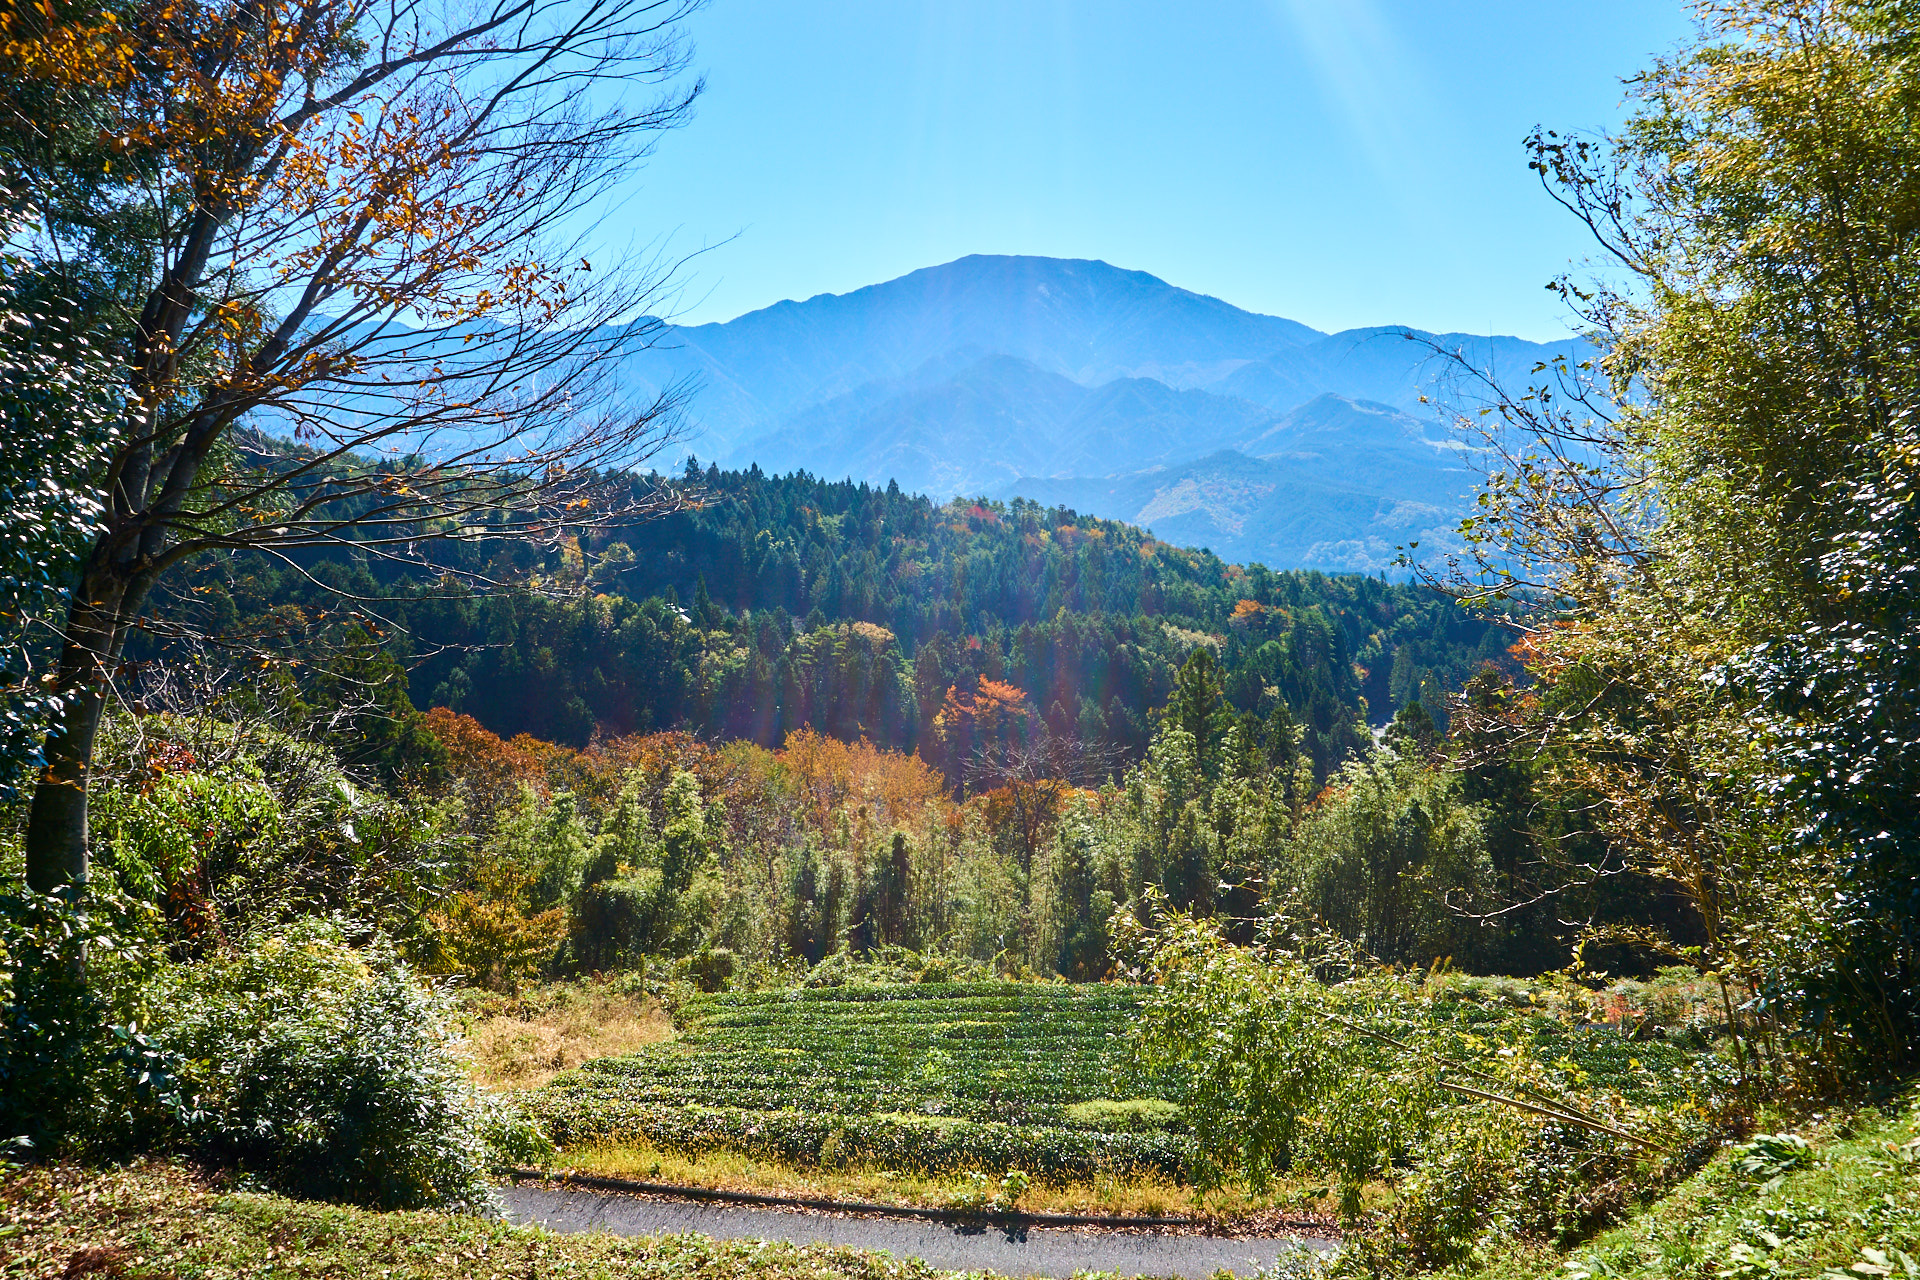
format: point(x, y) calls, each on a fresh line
point(997, 994)
point(576, 1116)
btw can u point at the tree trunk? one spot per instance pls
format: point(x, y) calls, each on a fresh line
point(56, 838)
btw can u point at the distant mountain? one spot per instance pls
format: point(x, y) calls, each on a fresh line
point(1336, 484)
point(997, 419)
point(1043, 376)
point(1393, 366)
point(1086, 321)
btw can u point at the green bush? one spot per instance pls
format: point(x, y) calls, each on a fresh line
point(76, 1071)
point(326, 1072)
point(1388, 857)
point(321, 1070)
point(1487, 1126)
point(229, 826)
point(713, 969)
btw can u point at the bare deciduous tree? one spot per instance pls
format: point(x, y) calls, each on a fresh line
point(350, 230)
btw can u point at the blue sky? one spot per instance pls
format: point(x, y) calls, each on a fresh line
point(1339, 162)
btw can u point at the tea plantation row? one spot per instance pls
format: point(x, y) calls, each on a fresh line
point(933, 1078)
point(1003, 1052)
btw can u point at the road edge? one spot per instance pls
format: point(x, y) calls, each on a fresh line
point(1008, 1218)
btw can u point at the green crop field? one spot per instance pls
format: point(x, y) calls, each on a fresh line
point(928, 1077)
point(949, 1077)
point(1017, 1053)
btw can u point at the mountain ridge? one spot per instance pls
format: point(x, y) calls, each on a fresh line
point(1349, 508)
point(997, 375)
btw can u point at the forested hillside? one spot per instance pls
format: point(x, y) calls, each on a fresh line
point(780, 603)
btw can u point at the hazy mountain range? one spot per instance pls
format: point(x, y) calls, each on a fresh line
point(1111, 391)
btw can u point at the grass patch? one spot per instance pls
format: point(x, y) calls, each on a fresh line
point(524, 1040)
point(1846, 1206)
point(154, 1221)
point(1150, 1197)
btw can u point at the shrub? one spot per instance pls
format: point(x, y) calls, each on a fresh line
point(578, 1114)
point(229, 825)
point(182, 841)
point(1484, 1132)
point(326, 1072)
point(487, 932)
point(75, 1068)
point(1772, 1155)
point(712, 969)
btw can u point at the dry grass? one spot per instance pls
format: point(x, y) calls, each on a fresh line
point(731, 1171)
point(523, 1041)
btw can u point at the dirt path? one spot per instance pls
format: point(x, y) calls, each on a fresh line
point(1036, 1251)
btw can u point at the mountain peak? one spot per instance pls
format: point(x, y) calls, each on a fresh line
point(962, 377)
point(1081, 318)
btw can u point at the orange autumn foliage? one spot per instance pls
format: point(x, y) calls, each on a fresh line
point(1026, 811)
point(825, 775)
point(491, 770)
point(1544, 650)
point(992, 709)
point(831, 776)
point(490, 767)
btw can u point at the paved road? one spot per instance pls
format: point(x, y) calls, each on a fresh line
point(1036, 1251)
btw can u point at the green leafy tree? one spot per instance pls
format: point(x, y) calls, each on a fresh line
point(1199, 707)
point(547, 841)
point(1394, 861)
point(58, 415)
point(1718, 516)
